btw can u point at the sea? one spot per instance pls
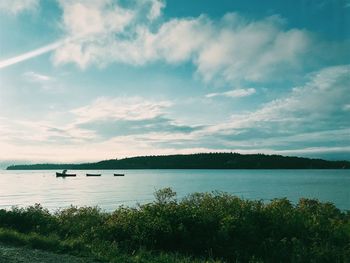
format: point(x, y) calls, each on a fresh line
point(24, 188)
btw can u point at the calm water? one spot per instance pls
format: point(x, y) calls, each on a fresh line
point(24, 188)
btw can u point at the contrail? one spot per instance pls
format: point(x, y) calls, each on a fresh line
point(31, 54)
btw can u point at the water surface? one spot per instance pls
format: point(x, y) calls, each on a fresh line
point(23, 188)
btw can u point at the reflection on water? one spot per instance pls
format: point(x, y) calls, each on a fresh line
point(23, 188)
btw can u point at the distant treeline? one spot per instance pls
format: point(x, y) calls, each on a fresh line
point(198, 161)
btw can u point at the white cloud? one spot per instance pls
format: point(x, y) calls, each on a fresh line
point(120, 108)
point(317, 105)
point(40, 131)
point(230, 50)
point(80, 125)
point(93, 18)
point(179, 40)
point(312, 119)
point(37, 77)
point(44, 140)
point(236, 93)
point(89, 25)
point(123, 146)
point(156, 9)
point(250, 50)
point(44, 82)
point(17, 6)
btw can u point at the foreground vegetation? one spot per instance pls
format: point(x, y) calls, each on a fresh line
point(215, 227)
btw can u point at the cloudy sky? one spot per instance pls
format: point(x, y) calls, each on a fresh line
point(85, 80)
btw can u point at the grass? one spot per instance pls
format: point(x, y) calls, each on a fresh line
point(212, 227)
point(103, 252)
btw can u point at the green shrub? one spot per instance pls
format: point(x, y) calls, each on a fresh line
point(199, 227)
point(84, 222)
point(31, 219)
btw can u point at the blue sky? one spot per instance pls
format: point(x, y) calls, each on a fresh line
point(87, 80)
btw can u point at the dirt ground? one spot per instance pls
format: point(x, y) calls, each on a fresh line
point(10, 254)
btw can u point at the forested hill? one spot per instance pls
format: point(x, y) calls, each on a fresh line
point(198, 161)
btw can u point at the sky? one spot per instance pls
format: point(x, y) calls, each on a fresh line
point(86, 80)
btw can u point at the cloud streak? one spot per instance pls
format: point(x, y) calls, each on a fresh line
point(31, 54)
point(36, 77)
point(236, 93)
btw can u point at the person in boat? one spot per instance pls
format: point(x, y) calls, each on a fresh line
point(64, 171)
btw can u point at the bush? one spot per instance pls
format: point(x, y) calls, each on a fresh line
point(84, 222)
point(31, 219)
point(201, 226)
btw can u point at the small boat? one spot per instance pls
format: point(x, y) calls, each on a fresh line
point(65, 175)
point(118, 174)
point(93, 174)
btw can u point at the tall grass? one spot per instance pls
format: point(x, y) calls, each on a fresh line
point(211, 226)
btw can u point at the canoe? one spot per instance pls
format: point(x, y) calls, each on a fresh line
point(118, 174)
point(65, 175)
point(93, 174)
